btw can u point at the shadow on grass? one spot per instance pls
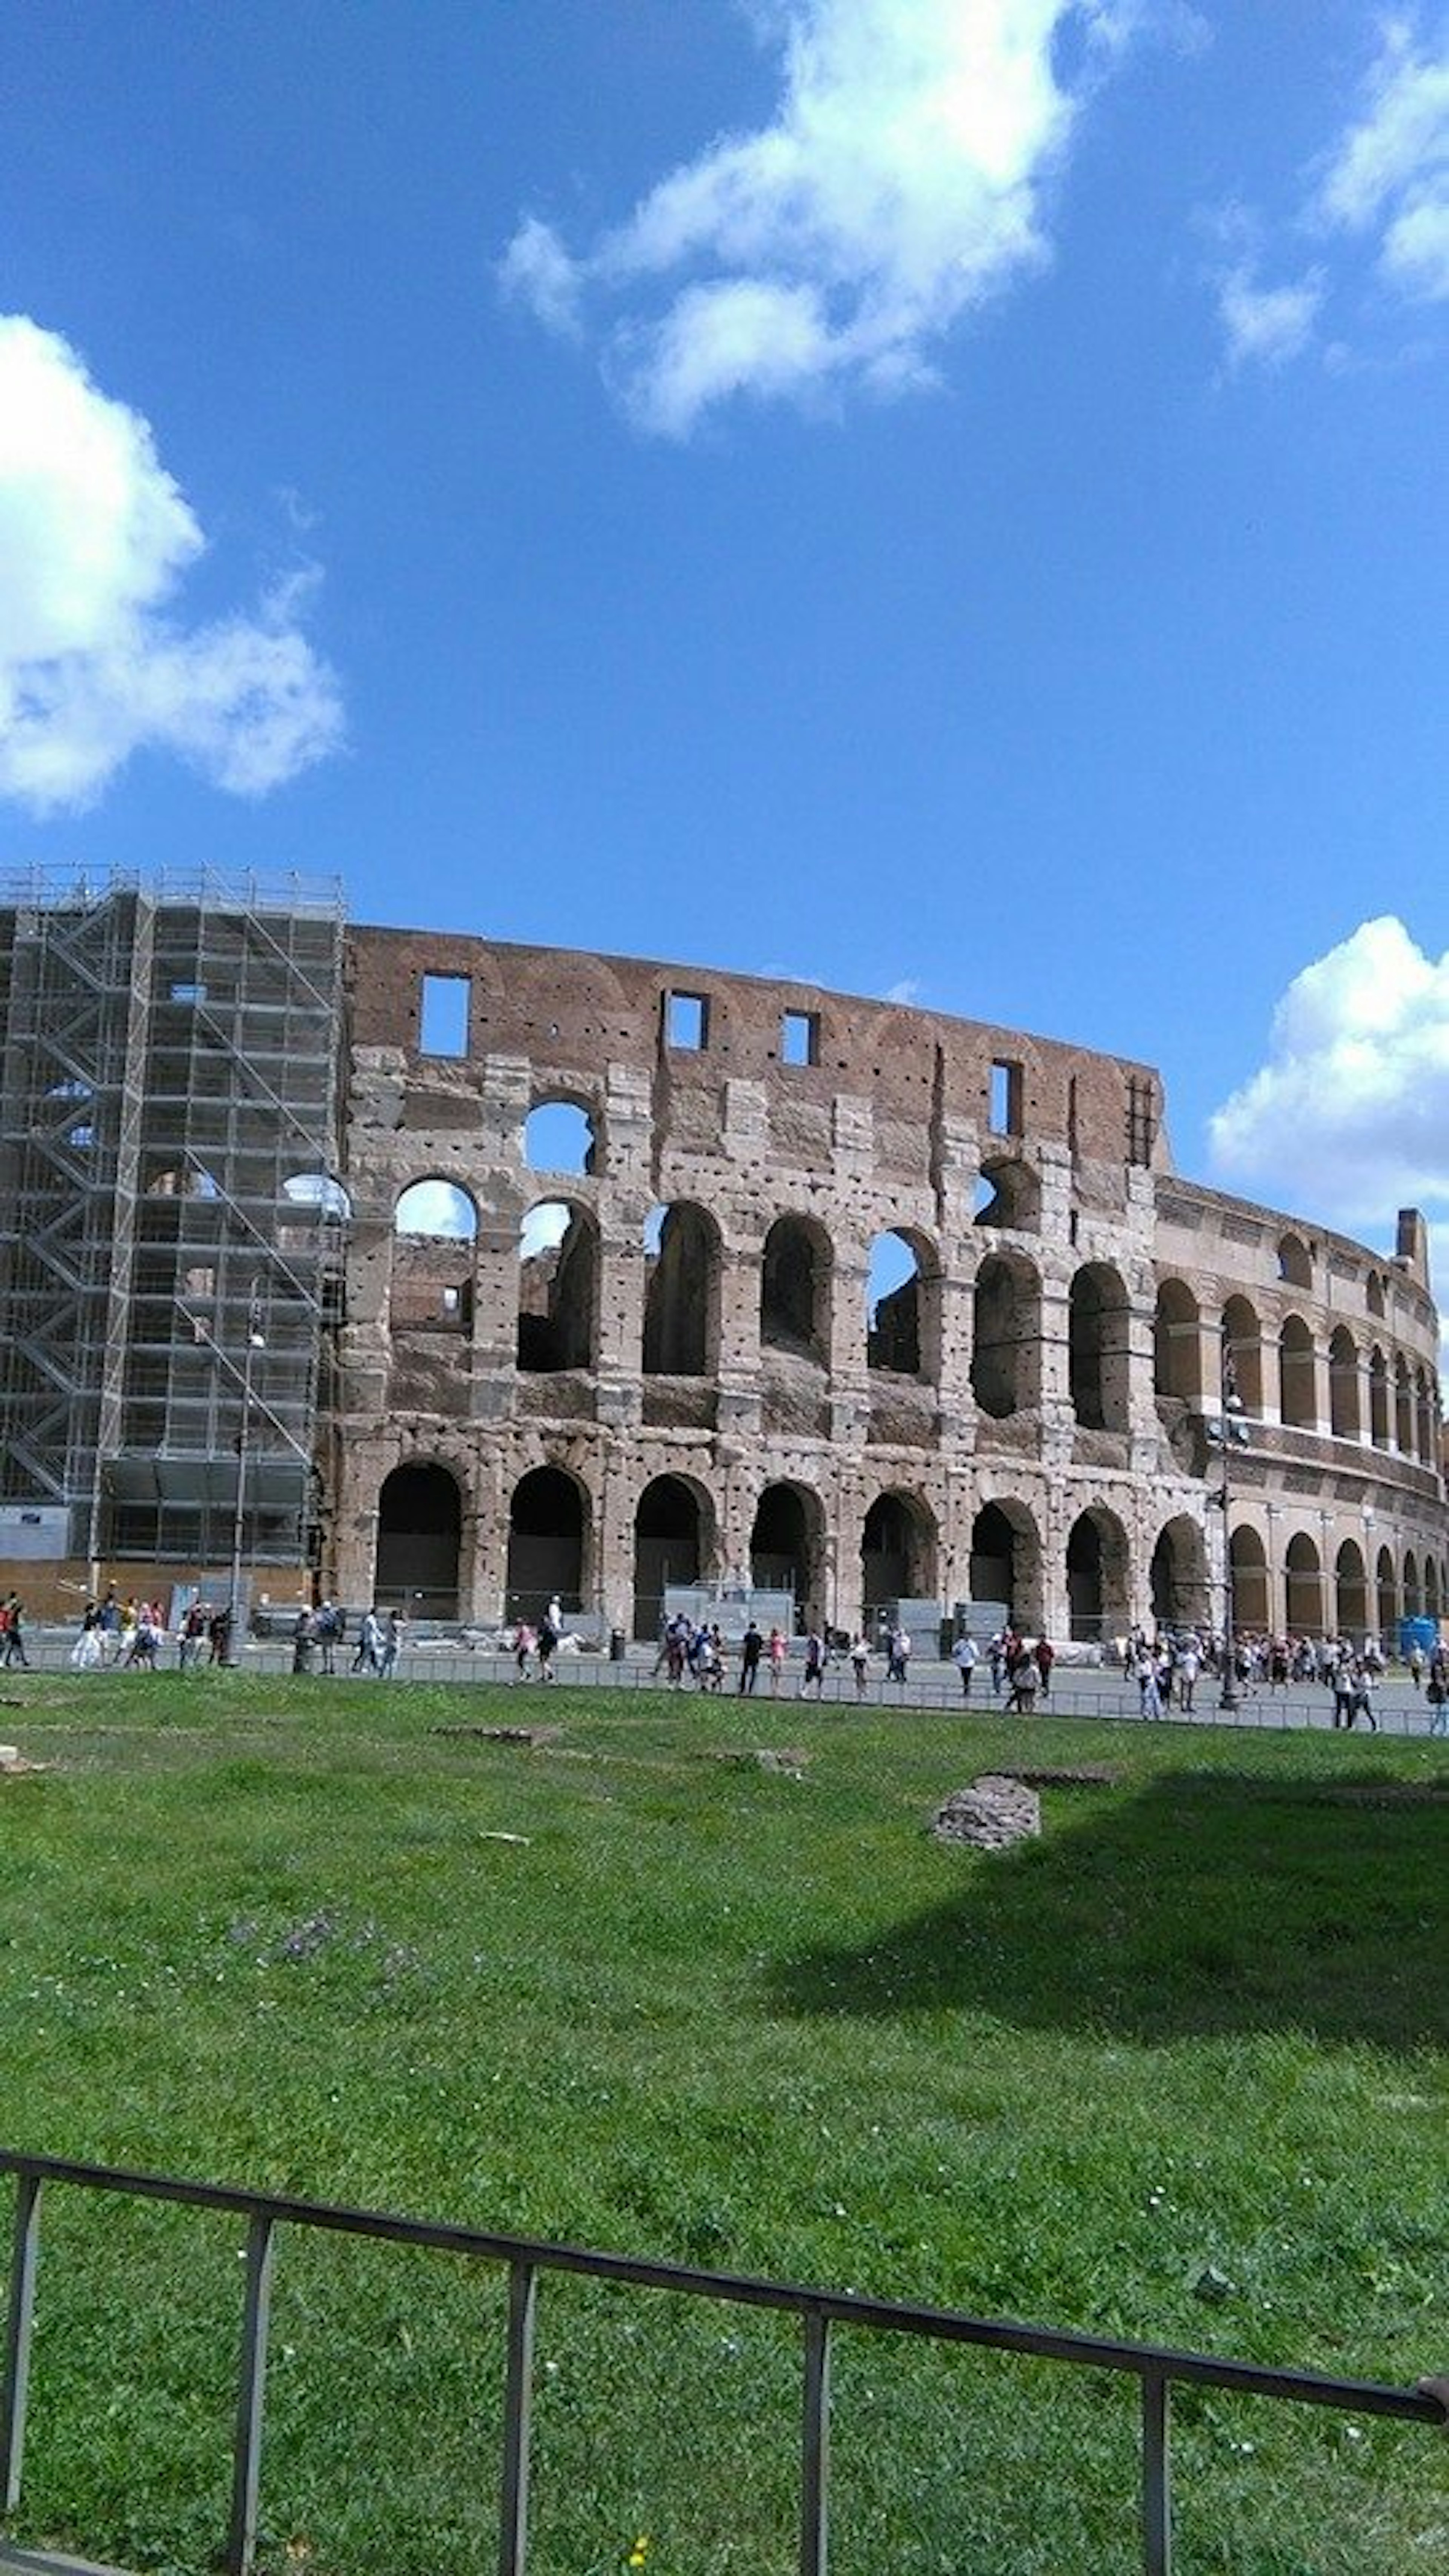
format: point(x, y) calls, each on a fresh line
point(1204, 1905)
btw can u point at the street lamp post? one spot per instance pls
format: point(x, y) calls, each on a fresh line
point(256, 1341)
point(1231, 1432)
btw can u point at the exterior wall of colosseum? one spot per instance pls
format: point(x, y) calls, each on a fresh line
point(676, 1375)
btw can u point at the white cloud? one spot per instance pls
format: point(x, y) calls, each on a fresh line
point(1350, 1113)
point(1267, 325)
point(897, 188)
point(1389, 174)
point(95, 537)
point(906, 990)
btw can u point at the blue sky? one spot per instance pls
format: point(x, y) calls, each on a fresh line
point(941, 497)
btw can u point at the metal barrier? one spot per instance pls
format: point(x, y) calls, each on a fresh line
point(1156, 2369)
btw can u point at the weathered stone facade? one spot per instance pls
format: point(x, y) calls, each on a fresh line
point(675, 1376)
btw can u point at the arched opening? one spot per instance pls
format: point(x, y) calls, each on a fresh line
point(322, 1191)
point(669, 1546)
point(558, 1137)
point(1250, 1583)
point(1374, 1295)
point(1243, 1352)
point(893, 1294)
point(1378, 1398)
point(1350, 1593)
point(1178, 1578)
point(1413, 1597)
point(1005, 1565)
point(1008, 1195)
point(431, 1284)
point(786, 1548)
point(546, 1544)
point(1387, 1598)
point(898, 1551)
point(1097, 1327)
point(1433, 1592)
point(1097, 1595)
point(681, 1292)
point(1177, 1344)
point(1006, 1336)
point(1403, 1409)
point(1345, 1414)
point(419, 1536)
point(186, 1180)
point(1303, 1571)
point(1297, 1396)
point(1425, 1419)
point(1295, 1266)
point(558, 1288)
point(794, 1289)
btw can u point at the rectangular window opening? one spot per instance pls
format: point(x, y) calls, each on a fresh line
point(1006, 1100)
point(800, 1037)
point(444, 1028)
point(687, 1022)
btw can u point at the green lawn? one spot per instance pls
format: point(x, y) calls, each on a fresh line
point(280, 1934)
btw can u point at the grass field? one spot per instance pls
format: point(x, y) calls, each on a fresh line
point(282, 1934)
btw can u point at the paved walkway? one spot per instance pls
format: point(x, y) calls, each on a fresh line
point(1085, 1691)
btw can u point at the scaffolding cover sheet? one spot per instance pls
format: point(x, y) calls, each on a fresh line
point(272, 1484)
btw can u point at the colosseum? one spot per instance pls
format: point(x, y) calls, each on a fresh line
point(459, 1274)
point(741, 1281)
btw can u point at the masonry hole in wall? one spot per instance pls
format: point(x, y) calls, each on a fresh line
point(436, 1210)
point(686, 1022)
point(545, 1544)
point(794, 1280)
point(1005, 1099)
point(681, 1291)
point(799, 1037)
point(1097, 1355)
point(1177, 1343)
point(558, 1288)
point(1097, 1568)
point(668, 1547)
point(1007, 1193)
point(558, 1136)
point(1178, 1586)
point(419, 1533)
point(1350, 1593)
point(1005, 1331)
point(897, 1552)
point(1304, 1587)
point(1250, 1580)
point(322, 1191)
point(893, 1306)
point(443, 1015)
point(784, 1547)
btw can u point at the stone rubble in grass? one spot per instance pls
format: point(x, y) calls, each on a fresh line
point(991, 1815)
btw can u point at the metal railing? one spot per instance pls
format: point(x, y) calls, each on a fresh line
point(1156, 2369)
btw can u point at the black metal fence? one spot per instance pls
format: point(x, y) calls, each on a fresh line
point(1156, 2369)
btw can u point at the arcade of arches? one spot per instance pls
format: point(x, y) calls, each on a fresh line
point(1096, 1585)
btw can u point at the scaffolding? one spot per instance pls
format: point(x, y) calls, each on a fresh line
point(171, 1222)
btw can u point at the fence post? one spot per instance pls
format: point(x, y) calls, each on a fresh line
point(517, 2413)
point(24, 2250)
point(1156, 2476)
point(815, 2450)
point(251, 2397)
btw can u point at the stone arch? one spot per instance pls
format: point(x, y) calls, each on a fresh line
point(1350, 1592)
point(1403, 1408)
point(1243, 1352)
point(1249, 1578)
point(682, 1269)
point(903, 1303)
point(187, 1179)
point(558, 1287)
point(1375, 1294)
point(1413, 1594)
point(1097, 1348)
point(1303, 1587)
point(1098, 1576)
point(1005, 1563)
point(436, 1211)
point(1386, 1596)
point(1433, 1588)
point(673, 1544)
point(1008, 1195)
point(1177, 1343)
point(1345, 1410)
point(419, 1539)
point(795, 1273)
point(1295, 1262)
point(561, 1136)
point(787, 1548)
point(321, 1193)
point(1425, 1412)
point(1297, 1391)
point(1378, 1398)
point(1178, 1577)
point(898, 1550)
point(1006, 1336)
point(430, 1281)
point(549, 1543)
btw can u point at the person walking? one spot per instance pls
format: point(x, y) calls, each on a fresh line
point(752, 1646)
point(965, 1656)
